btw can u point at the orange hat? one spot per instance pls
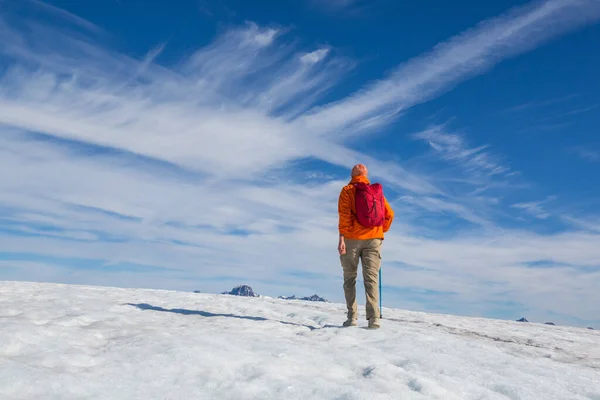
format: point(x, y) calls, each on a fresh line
point(359, 169)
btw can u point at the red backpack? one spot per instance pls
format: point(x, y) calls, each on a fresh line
point(369, 204)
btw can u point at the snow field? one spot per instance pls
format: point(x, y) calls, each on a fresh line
point(76, 342)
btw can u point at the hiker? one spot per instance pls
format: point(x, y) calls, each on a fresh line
point(364, 217)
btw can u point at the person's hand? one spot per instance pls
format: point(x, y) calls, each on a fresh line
point(342, 246)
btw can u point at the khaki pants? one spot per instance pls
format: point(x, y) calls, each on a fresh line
point(369, 253)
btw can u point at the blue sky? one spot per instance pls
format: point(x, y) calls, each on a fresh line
point(204, 146)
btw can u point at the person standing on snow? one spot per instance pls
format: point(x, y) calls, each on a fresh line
point(364, 217)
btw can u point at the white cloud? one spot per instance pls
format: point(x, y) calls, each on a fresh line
point(334, 5)
point(64, 15)
point(449, 63)
point(540, 103)
point(440, 206)
point(156, 164)
point(315, 56)
point(535, 208)
point(588, 154)
point(454, 148)
point(589, 224)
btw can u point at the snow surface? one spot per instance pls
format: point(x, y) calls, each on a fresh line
point(76, 342)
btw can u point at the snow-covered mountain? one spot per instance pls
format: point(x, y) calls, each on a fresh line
point(247, 291)
point(314, 297)
point(242, 290)
point(77, 342)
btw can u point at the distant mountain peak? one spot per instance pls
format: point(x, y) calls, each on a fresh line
point(288, 297)
point(314, 297)
point(522, 320)
point(242, 290)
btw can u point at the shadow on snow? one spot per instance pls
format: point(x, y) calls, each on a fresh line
point(145, 306)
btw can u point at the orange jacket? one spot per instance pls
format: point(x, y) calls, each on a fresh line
point(348, 225)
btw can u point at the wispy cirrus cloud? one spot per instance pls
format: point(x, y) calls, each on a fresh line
point(535, 208)
point(541, 103)
point(437, 205)
point(214, 8)
point(180, 166)
point(454, 148)
point(449, 63)
point(576, 111)
point(335, 5)
point(587, 154)
point(163, 113)
point(64, 15)
point(590, 224)
point(341, 3)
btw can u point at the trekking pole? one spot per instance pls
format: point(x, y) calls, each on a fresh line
point(380, 310)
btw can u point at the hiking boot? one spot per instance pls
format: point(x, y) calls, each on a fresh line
point(374, 323)
point(350, 322)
